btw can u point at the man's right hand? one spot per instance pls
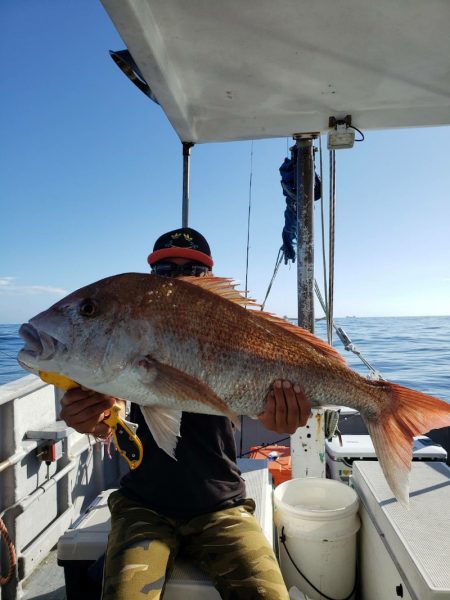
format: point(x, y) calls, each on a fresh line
point(85, 410)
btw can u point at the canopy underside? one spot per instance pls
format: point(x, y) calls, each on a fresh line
point(246, 69)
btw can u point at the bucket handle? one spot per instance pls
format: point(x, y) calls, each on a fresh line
point(300, 533)
point(283, 541)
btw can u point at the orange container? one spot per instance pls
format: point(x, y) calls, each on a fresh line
point(279, 458)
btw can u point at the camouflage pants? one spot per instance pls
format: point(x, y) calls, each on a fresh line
point(229, 545)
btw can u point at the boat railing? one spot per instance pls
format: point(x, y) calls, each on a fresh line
point(49, 474)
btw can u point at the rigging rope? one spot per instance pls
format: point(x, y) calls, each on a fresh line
point(330, 301)
point(248, 219)
point(346, 341)
point(11, 553)
point(277, 266)
point(247, 256)
point(288, 186)
point(322, 222)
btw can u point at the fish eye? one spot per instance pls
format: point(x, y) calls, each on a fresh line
point(88, 308)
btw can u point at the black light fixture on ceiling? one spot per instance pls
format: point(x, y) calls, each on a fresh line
point(126, 64)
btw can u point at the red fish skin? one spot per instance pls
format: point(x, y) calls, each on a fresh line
point(196, 346)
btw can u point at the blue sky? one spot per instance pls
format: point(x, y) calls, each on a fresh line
point(90, 174)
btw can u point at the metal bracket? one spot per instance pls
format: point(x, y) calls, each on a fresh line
point(333, 122)
point(54, 431)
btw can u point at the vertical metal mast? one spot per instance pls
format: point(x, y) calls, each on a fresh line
point(307, 443)
point(186, 160)
point(305, 230)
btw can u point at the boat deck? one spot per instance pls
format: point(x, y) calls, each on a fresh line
point(46, 582)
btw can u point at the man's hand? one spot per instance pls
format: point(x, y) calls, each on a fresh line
point(85, 410)
point(286, 409)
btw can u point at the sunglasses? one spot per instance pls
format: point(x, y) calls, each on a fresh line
point(168, 269)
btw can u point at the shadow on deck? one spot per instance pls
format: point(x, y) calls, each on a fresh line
point(47, 581)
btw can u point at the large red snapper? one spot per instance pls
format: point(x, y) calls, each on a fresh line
point(173, 345)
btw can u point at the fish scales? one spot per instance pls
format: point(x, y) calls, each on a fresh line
point(174, 345)
point(241, 368)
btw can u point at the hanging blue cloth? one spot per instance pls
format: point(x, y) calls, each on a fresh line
point(288, 184)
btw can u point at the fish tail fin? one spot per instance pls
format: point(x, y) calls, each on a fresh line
point(409, 413)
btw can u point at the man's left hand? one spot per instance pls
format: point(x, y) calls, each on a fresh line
point(286, 409)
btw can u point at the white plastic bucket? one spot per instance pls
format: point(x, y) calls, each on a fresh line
point(319, 522)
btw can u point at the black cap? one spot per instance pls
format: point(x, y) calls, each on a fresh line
point(181, 243)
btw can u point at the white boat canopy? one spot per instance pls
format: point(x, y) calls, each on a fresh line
point(247, 69)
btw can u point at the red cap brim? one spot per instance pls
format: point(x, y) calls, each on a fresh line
point(174, 252)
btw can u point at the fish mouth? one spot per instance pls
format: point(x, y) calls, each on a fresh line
point(38, 344)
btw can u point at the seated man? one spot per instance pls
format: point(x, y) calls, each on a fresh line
point(196, 503)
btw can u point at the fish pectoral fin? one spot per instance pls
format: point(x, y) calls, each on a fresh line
point(167, 381)
point(164, 425)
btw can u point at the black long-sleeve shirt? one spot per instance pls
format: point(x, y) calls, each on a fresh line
point(204, 478)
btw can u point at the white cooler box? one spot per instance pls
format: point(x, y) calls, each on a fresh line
point(339, 459)
point(404, 553)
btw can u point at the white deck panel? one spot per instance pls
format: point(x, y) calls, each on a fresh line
point(417, 539)
point(263, 68)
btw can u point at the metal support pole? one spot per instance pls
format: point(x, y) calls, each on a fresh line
point(186, 163)
point(307, 443)
point(305, 230)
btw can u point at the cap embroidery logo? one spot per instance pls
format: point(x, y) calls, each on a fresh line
point(177, 235)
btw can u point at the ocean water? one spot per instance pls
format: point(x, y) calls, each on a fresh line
point(412, 351)
point(10, 344)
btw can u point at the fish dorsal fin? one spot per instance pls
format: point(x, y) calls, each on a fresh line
point(226, 288)
point(222, 286)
